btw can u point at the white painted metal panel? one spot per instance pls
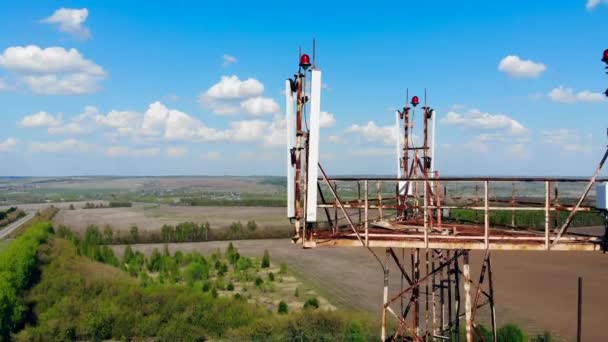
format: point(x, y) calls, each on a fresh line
point(601, 196)
point(291, 143)
point(399, 151)
point(313, 146)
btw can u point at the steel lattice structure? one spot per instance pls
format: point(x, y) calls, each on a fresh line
point(403, 221)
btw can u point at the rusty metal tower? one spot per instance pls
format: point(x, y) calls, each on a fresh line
point(405, 222)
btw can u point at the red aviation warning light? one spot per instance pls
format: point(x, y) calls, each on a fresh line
point(415, 101)
point(305, 61)
point(605, 56)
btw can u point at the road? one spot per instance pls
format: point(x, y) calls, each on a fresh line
point(6, 231)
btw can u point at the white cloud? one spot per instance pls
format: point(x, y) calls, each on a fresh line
point(518, 68)
point(159, 123)
point(229, 60)
point(71, 21)
point(591, 4)
point(327, 120)
point(53, 70)
point(232, 96)
point(476, 119)
point(68, 145)
point(51, 60)
point(8, 145)
point(259, 105)
point(176, 152)
point(40, 119)
point(374, 133)
point(568, 140)
point(568, 95)
point(72, 84)
point(122, 151)
point(231, 87)
point(80, 124)
point(121, 122)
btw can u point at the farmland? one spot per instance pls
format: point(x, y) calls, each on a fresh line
point(536, 290)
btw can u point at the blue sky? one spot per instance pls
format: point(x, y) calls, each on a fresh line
point(144, 88)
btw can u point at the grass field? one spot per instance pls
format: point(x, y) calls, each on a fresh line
point(152, 217)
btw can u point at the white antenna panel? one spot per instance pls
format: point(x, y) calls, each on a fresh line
point(313, 146)
point(291, 143)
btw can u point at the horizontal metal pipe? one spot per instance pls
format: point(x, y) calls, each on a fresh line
point(472, 179)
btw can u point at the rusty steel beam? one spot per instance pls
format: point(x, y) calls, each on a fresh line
point(472, 179)
point(565, 246)
point(566, 224)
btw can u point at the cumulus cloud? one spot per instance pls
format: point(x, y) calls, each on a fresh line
point(476, 119)
point(229, 60)
point(334, 138)
point(231, 87)
point(327, 120)
point(568, 140)
point(568, 95)
point(70, 21)
point(591, 4)
point(157, 124)
point(374, 133)
point(81, 124)
point(40, 119)
point(519, 68)
point(53, 70)
point(8, 145)
point(232, 96)
point(260, 106)
point(68, 145)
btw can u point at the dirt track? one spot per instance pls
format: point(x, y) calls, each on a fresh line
point(536, 290)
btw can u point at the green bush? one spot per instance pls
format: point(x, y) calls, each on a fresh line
point(312, 303)
point(542, 337)
point(282, 307)
point(266, 259)
point(271, 276)
point(17, 267)
point(258, 282)
point(510, 333)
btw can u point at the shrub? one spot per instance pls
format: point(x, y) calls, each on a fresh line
point(17, 267)
point(312, 303)
point(543, 337)
point(214, 293)
point(258, 282)
point(511, 333)
point(195, 271)
point(297, 293)
point(230, 287)
point(206, 286)
point(266, 259)
point(282, 308)
point(271, 276)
